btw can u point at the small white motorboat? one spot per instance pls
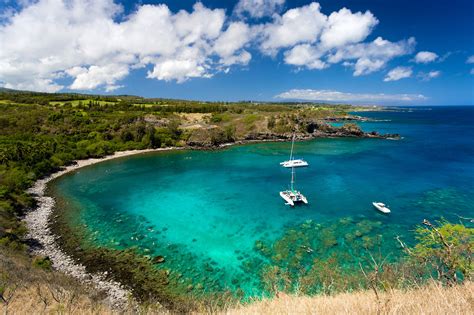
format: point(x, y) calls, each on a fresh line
point(294, 163)
point(381, 207)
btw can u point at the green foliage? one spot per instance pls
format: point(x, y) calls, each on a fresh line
point(229, 132)
point(12, 243)
point(251, 118)
point(271, 122)
point(42, 262)
point(446, 248)
point(220, 117)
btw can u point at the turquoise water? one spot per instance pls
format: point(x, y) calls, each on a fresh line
point(205, 210)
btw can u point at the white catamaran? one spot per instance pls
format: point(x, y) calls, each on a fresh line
point(292, 162)
point(293, 196)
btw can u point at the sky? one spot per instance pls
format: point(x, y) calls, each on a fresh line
point(357, 51)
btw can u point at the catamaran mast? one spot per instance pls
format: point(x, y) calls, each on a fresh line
point(292, 178)
point(292, 143)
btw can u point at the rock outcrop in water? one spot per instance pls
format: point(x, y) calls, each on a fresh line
point(308, 129)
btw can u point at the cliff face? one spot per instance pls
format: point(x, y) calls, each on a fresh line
point(306, 129)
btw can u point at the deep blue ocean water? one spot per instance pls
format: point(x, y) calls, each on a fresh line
point(208, 208)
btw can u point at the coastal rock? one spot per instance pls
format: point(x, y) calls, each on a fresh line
point(347, 118)
point(159, 259)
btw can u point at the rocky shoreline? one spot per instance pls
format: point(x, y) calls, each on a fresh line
point(315, 130)
point(38, 220)
point(39, 231)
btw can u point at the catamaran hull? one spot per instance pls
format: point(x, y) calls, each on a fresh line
point(291, 201)
point(287, 199)
point(290, 166)
point(294, 163)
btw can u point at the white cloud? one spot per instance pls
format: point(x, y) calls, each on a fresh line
point(39, 84)
point(427, 76)
point(258, 8)
point(337, 96)
point(398, 73)
point(179, 70)
point(344, 27)
point(425, 57)
point(366, 65)
point(94, 76)
point(299, 25)
point(305, 56)
point(233, 39)
point(372, 56)
point(315, 40)
point(95, 46)
point(470, 59)
point(112, 87)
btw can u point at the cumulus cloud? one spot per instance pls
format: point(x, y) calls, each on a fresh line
point(94, 76)
point(258, 8)
point(90, 42)
point(233, 39)
point(314, 40)
point(50, 45)
point(373, 56)
point(305, 56)
point(427, 76)
point(299, 25)
point(337, 96)
point(398, 73)
point(425, 57)
point(344, 27)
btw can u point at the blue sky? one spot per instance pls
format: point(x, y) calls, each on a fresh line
point(374, 52)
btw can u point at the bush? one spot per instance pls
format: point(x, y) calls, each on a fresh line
point(445, 248)
point(42, 262)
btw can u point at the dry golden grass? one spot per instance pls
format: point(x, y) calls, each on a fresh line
point(32, 290)
point(42, 299)
point(194, 117)
point(431, 299)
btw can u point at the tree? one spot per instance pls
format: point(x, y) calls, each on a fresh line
point(445, 248)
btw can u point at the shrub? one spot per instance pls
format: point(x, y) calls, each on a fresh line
point(42, 262)
point(446, 248)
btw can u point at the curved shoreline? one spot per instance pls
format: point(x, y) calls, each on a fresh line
point(37, 221)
